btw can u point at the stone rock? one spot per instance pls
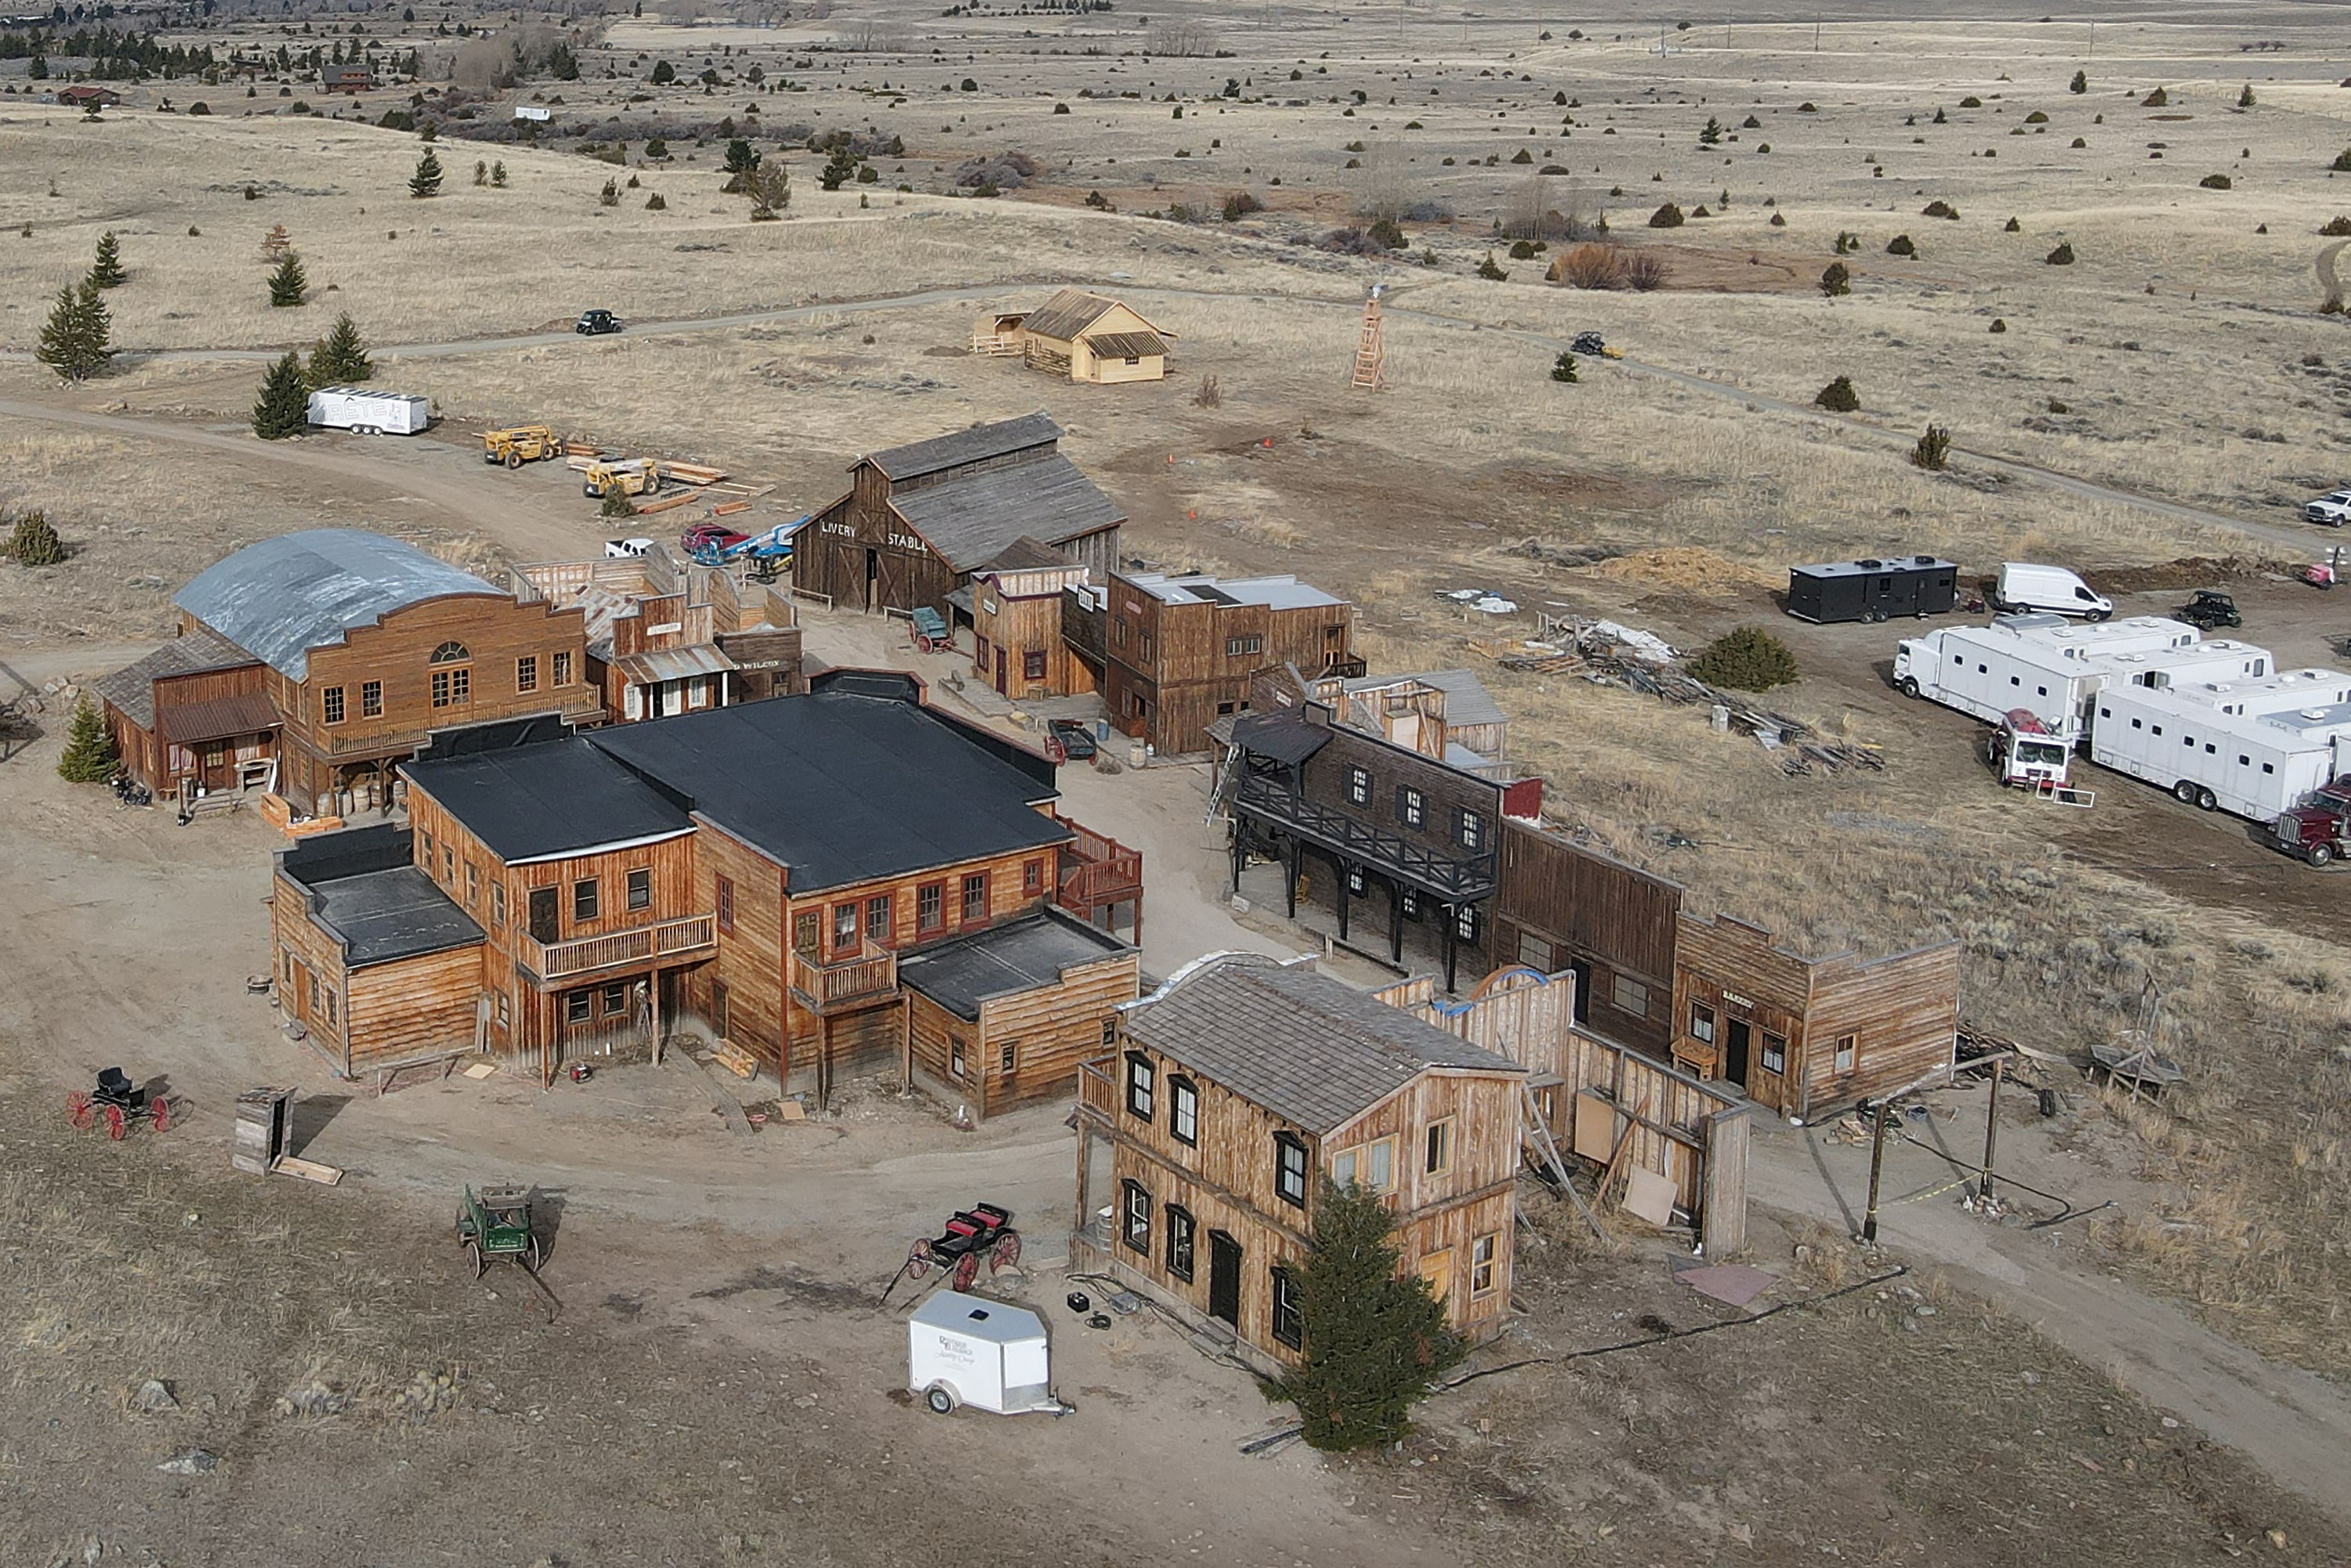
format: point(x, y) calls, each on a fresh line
point(194, 1462)
point(154, 1397)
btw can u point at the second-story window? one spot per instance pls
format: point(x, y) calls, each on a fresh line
point(641, 888)
point(1237, 646)
point(472, 884)
point(527, 673)
point(584, 899)
point(1141, 1084)
point(726, 902)
point(844, 927)
point(497, 902)
point(877, 920)
point(1359, 786)
point(562, 669)
point(453, 676)
point(370, 699)
point(1411, 807)
point(975, 898)
point(1469, 830)
point(1289, 1169)
point(929, 899)
point(330, 705)
point(1184, 1110)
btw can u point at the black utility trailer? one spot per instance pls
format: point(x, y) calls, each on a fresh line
point(1873, 590)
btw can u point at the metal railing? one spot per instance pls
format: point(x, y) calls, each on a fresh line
point(1451, 878)
point(640, 944)
point(823, 988)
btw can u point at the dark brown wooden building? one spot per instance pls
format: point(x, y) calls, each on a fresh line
point(1413, 837)
point(372, 647)
point(1227, 1097)
point(1016, 622)
point(919, 520)
point(193, 717)
point(1562, 907)
point(1179, 652)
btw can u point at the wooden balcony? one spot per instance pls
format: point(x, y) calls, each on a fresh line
point(1096, 873)
point(669, 941)
point(845, 984)
point(1097, 1093)
point(1450, 879)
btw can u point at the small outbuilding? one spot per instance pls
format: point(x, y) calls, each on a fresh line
point(1085, 336)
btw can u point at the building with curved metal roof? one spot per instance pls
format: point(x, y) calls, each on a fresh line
point(281, 597)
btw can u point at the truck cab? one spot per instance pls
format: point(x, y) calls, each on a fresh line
point(2318, 830)
point(2027, 754)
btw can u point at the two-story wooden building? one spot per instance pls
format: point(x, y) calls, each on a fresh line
point(1179, 652)
point(193, 717)
point(1394, 827)
point(1234, 1092)
point(371, 647)
point(1015, 605)
point(755, 873)
point(920, 520)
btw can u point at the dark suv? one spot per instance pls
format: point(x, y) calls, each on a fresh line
point(596, 323)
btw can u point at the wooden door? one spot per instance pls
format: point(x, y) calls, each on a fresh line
point(1734, 1051)
point(1000, 664)
point(1583, 972)
point(1224, 1278)
point(873, 580)
point(543, 909)
point(1437, 1267)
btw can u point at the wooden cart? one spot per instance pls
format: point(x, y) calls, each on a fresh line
point(496, 1223)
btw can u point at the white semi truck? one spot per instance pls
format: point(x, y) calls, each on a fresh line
point(2051, 667)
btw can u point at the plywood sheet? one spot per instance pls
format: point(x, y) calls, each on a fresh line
point(1648, 1196)
point(1595, 1126)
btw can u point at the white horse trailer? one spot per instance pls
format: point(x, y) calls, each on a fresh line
point(368, 413)
point(2045, 664)
point(2251, 749)
point(969, 1349)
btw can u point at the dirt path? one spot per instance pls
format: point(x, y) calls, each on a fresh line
point(2294, 1425)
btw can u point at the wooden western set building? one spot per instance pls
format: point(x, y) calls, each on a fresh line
point(1234, 1091)
point(1083, 337)
point(919, 520)
point(361, 649)
point(754, 874)
point(1015, 607)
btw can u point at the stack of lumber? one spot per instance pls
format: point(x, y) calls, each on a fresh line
point(692, 473)
point(1601, 658)
point(734, 1059)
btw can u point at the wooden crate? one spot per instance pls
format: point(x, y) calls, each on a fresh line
point(263, 1126)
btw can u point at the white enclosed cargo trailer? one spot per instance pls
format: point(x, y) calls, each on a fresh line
point(369, 413)
point(2045, 664)
point(967, 1350)
point(2253, 748)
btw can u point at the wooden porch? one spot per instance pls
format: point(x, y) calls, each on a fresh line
point(845, 985)
point(682, 941)
point(1097, 874)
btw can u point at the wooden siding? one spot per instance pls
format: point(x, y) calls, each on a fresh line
point(150, 760)
point(1051, 1028)
point(414, 1008)
point(303, 955)
point(1583, 910)
point(750, 961)
point(1172, 659)
point(1017, 626)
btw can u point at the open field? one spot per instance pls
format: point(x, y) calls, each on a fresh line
point(709, 1291)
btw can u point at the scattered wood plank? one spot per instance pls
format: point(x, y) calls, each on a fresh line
point(669, 503)
point(728, 509)
point(308, 1170)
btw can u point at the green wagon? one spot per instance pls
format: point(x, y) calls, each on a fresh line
point(496, 1223)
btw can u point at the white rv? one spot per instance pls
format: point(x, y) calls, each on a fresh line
point(2045, 664)
point(366, 413)
point(2249, 747)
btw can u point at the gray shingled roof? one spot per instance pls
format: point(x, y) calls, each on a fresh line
point(975, 444)
point(972, 519)
point(1067, 314)
point(131, 689)
point(1313, 1050)
point(283, 597)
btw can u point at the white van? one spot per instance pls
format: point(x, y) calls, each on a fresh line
point(365, 412)
point(2052, 588)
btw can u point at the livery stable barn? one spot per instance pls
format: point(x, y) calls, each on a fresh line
point(1233, 1091)
point(371, 648)
point(919, 520)
point(754, 875)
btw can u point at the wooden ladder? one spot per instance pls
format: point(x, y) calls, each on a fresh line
point(1370, 358)
point(1548, 1149)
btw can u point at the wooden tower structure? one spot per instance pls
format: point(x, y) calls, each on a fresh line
point(1371, 357)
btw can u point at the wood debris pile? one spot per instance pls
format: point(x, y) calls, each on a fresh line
point(1603, 653)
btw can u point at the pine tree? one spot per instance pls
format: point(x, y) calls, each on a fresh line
point(74, 342)
point(839, 168)
point(426, 181)
point(1373, 1342)
point(290, 283)
point(340, 358)
point(90, 756)
point(498, 174)
point(284, 408)
point(35, 542)
point(106, 270)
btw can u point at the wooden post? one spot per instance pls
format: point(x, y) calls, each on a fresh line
point(1452, 919)
point(1345, 876)
point(1240, 851)
point(1992, 1129)
point(1876, 1166)
point(657, 1015)
point(1292, 888)
point(1395, 922)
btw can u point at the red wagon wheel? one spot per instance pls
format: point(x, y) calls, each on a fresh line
point(967, 1270)
point(162, 1115)
point(80, 1111)
point(1006, 1253)
point(115, 1125)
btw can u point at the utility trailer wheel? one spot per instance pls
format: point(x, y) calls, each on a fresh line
point(2205, 800)
point(2319, 854)
point(2184, 792)
point(474, 1256)
point(940, 1398)
point(1909, 686)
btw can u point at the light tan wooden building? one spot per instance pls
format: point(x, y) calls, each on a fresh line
point(1016, 618)
point(1233, 1092)
point(1085, 336)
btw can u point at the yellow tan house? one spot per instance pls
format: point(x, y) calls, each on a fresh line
point(1086, 337)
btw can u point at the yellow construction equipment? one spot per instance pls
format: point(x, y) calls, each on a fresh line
point(522, 445)
point(630, 477)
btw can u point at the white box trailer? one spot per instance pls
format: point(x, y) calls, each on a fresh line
point(2252, 748)
point(967, 1350)
point(2045, 664)
point(369, 413)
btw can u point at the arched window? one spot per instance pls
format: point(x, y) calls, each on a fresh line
point(451, 654)
point(453, 677)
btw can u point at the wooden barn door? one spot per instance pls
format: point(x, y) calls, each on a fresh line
point(1224, 1278)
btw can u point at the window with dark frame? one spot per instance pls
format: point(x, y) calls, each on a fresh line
point(877, 919)
point(579, 1007)
point(1135, 1224)
point(1701, 1023)
point(527, 673)
point(975, 897)
point(1254, 643)
point(1466, 922)
point(1184, 1110)
point(1468, 830)
point(1110, 1033)
point(1485, 1251)
point(1845, 1053)
point(370, 699)
point(808, 933)
point(1775, 1053)
point(1289, 1169)
point(929, 907)
point(1359, 786)
point(1006, 1056)
point(1141, 1084)
point(1436, 1148)
point(725, 901)
point(1032, 877)
point(641, 888)
point(955, 1055)
point(1411, 807)
point(616, 1001)
point(1630, 996)
point(1180, 1232)
point(584, 899)
point(1033, 665)
point(1289, 1319)
point(330, 705)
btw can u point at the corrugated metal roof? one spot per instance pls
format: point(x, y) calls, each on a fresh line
point(216, 719)
point(975, 444)
point(675, 663)
point(131, 689)
point(972, 519)
point(1067, 314)
point(1313, 1050)
point(1126, 345)
point(283, 597)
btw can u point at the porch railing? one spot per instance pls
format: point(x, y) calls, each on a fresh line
point(643, 945)
point(870, 975)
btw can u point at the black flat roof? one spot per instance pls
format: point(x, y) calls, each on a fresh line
point(554, 797)
point(1022, 954)
point(384, 915)
point(842, 786)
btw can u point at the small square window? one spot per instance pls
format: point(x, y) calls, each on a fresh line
point(1631, 996)
point(1534, 952)
point(578, 1008)
point(370, 699)
point(641, 888)
point(616, 1001)
point(1033, 665)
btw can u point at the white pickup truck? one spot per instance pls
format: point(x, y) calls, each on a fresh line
point(2334, 510)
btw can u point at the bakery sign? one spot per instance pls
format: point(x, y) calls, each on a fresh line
point(1733, 999)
